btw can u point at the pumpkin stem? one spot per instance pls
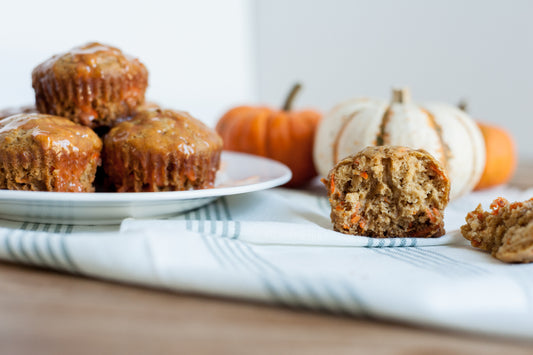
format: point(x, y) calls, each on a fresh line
point(287, 105)
point(401, 95)
point(463, 105)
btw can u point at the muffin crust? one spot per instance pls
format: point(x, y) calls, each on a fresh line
point(161, 150)
point(47, 153)
point(94, 84)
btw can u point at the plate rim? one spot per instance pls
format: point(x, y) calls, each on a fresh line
point(122, 197)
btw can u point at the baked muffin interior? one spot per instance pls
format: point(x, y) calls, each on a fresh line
point(506, 231)
point(389, 192)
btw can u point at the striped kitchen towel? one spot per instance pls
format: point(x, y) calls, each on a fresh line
point(277, 246)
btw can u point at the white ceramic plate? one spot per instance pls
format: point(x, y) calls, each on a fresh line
point(239, 173)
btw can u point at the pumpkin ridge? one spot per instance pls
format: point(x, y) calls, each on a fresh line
point(260, 133)
point(335, 150)
point(241, 124)
point(471, 183)
point(433, 127)
point(293, 137)
point(447, 153)
point(380, 137)
point(268, 133)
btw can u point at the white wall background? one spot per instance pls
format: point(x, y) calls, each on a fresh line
point(443, 50)
point(197, 52)
point(206, 55)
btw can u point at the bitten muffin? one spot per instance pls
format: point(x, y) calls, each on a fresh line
point(388, 192)
point(47, 153)
point(161, 150)
point(506, 231)
point(94, 85)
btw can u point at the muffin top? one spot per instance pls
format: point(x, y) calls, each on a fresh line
point(51, 132)
point(162, 131)
point(92, 60)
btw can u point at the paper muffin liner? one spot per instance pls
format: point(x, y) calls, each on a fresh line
point(38, 169)
point(91, 101)
point(135, 171)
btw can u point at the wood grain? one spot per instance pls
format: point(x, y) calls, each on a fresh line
point(44, 312)
point(48, 313)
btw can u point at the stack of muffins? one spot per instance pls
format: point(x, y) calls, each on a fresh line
point(90, 111)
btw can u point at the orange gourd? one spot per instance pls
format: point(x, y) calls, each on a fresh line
point(501, 156)
point(283, 135)
point(500, 151)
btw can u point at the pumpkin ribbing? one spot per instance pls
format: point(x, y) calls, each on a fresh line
point(283, 135)
point(442, 130)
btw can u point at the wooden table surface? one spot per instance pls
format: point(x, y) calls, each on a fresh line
point(43, 312)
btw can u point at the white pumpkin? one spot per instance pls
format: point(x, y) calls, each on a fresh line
point(446, 132)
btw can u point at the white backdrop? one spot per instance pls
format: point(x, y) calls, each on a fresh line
point(443, 50)
point(206, 55)
point(197, 52)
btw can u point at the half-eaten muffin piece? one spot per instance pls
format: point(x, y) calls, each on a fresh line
point(387, 192)
point(506, 231)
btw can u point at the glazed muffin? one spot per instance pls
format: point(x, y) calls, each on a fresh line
point(16, 110)
point(47, 153)
point(94, 85)
point(161, 150)
point(506, 231)
point(388, 191)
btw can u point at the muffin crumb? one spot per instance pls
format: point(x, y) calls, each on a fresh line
point(506, 231)
point(387, 192)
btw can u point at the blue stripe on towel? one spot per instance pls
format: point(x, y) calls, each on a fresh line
point(56, 261)
point(391, 254)
point(266, 277)
point(451, 261)
point(8, 248)
point(21, 249)
point(219, 260)
point(72, 267)
point(416, 257)
point(226, 208)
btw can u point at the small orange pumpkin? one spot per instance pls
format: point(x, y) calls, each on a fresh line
point(283, 135)
point(501, 156)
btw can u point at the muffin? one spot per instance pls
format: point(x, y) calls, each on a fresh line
point(161, 150)
point(16, 110)
point(94, 85)
point(47, 153)
point(506, 231)
point(388, 191)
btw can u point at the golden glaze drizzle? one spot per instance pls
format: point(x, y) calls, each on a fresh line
point(47, 152)
point(162, 150)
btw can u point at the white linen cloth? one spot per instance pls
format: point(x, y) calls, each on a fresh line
point(277, 246)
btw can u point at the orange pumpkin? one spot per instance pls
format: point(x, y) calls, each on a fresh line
point(500, 151)
point(501, 156)
point(283, 135)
